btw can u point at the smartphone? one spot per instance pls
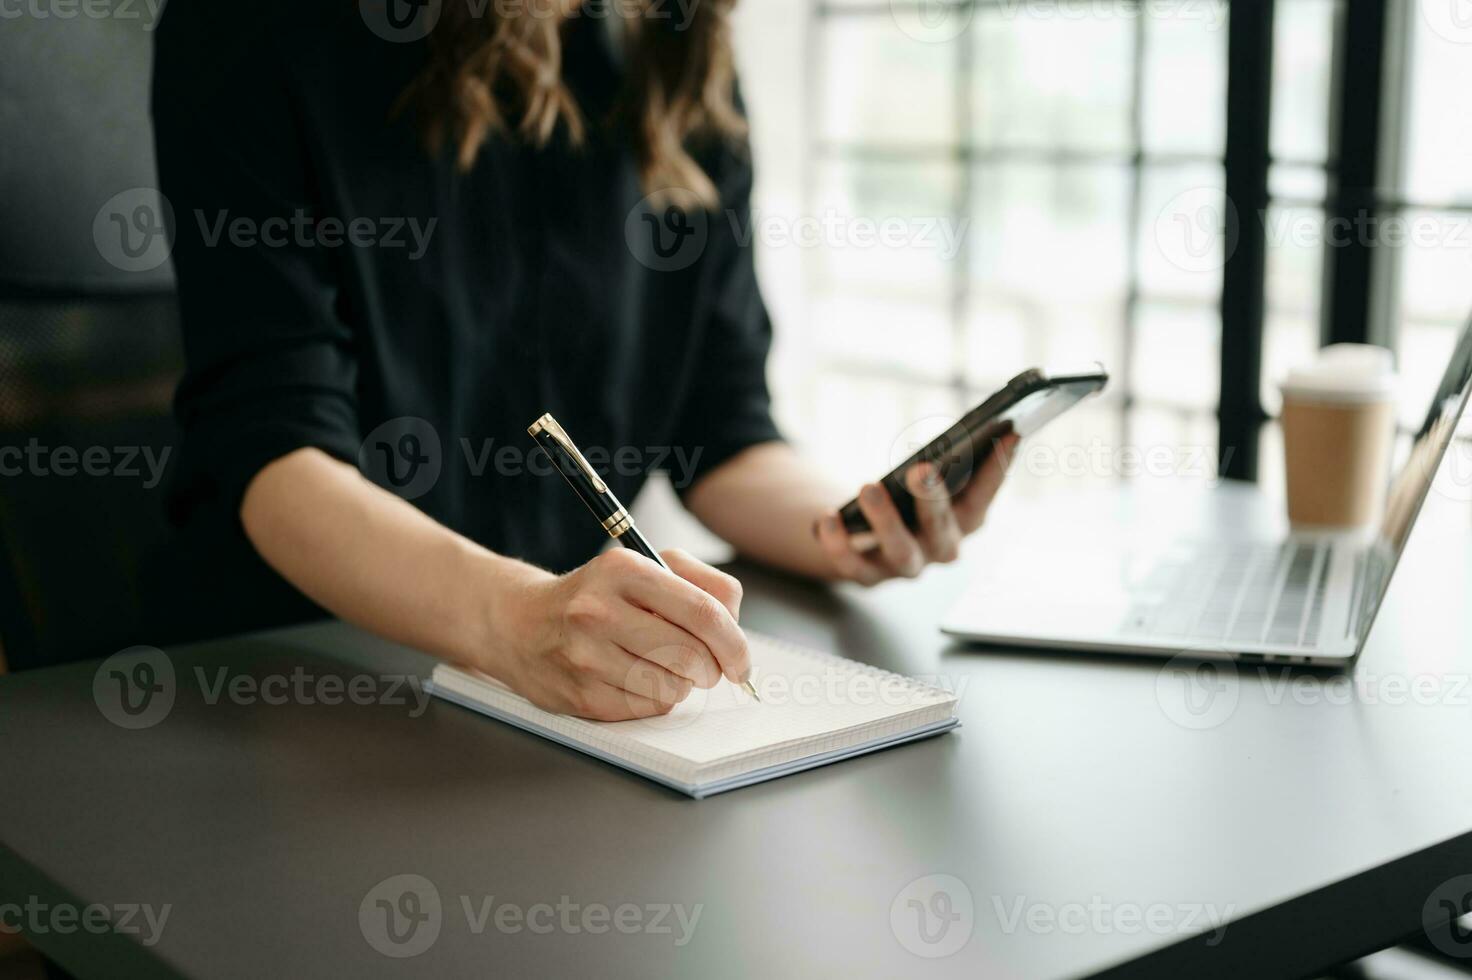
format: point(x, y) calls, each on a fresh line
point(1027, 403)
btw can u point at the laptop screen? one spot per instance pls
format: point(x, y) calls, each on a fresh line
point(1413, 482)
point(1411, 485)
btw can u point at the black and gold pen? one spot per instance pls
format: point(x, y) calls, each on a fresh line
point(589, 486)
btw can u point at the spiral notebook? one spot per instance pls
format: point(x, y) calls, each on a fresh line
point(816, 708)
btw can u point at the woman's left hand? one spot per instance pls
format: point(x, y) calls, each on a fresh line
point(943, 521)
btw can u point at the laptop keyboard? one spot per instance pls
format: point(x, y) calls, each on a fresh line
point(1240, 593)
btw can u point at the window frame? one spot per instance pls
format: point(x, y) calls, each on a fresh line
point(1368, 89)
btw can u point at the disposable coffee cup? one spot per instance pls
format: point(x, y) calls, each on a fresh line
point(1338, 433)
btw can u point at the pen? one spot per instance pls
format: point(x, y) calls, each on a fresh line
point(589, 486)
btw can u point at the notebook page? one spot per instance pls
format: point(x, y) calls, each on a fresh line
point(809, 699)
point(805, 696)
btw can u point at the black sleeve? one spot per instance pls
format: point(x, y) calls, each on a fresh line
point(269, 366)
point(729, 407)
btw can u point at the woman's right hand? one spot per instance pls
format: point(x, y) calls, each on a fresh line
point(622, 638)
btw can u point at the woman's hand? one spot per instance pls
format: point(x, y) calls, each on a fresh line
point(622, 638)
point(892, 550)
point(618, 638)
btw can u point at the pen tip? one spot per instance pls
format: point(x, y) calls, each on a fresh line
point(750, 688)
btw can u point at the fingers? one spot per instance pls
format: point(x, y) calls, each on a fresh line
point(693, 610)
point(973, 502)
point(619, 668)
point(939, 533)
point(608, 617)
point(846, 561)
point(604, 702)
point(725, 588)
point(897, 546)
point(660, 642)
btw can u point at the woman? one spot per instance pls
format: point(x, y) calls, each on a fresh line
point(423, 234)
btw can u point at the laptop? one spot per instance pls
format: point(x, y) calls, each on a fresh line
point(1306, 598)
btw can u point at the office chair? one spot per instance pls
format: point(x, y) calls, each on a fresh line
point(89, 342)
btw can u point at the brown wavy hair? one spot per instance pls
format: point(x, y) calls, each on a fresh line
point(499, 70)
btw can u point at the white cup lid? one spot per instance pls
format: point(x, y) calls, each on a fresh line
point(1345, 373)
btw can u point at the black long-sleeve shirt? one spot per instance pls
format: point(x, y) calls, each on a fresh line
point(343, 289)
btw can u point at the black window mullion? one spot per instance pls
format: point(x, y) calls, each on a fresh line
point(1244, 278)
point(1355, 190)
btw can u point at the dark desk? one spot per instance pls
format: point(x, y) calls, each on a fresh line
point(1080, 821)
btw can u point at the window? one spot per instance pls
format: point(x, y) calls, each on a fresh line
point(999, 183)
point(1427, 277)
point(1043, 140)
point(1414, 223)
point(1304, 36)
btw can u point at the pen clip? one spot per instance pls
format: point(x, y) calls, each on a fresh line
point(550, 426)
